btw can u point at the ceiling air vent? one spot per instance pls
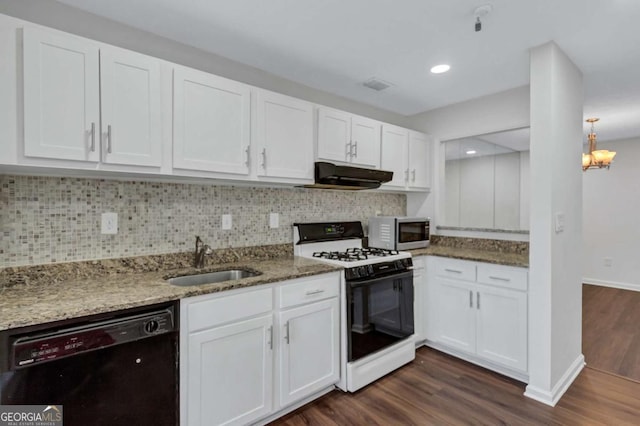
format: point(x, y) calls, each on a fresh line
point(376, 84)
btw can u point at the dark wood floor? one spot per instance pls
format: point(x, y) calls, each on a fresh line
point(436, 389)
point(611, 330)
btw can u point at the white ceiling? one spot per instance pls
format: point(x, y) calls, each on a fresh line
point(335, 45)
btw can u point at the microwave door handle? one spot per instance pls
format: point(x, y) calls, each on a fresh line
point(408, 274)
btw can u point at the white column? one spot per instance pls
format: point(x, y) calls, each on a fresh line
point(555, 289)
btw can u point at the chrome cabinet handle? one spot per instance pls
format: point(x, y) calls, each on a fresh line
point(312, 292)
point(413, 175)
point(286, 333)
point(478, 299)
point(355, 149)
point(349, 148)
point(93, 137)
point(406, 175)
point(271, 338)
point(109, 139)
point(499, 278)
point(248, 162)
point(470, 299)
point(264, 158)
point(453, 270)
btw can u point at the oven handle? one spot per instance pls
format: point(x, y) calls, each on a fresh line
point(356, 284)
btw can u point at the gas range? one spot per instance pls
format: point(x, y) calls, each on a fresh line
point(376, 299)
point(339, 244)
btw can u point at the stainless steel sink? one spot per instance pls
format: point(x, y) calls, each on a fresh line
point(212, 277)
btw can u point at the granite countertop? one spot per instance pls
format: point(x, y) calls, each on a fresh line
point(44, 300)
point(475, 254)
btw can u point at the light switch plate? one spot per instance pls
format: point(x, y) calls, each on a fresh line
point(227, 222)
point(109, 223)
point(274, 220)
point(559, 222)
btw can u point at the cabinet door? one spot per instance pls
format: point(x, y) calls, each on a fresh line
point(211, 123)
point(334, 135)
point(456, 325)
point(394, 154)
point(310, 349)
point(230, 372)
point(419, 161)
point(61, 97)
point(420, 294)
point(285, 137)
point(365, 137)
point(130, 99)
point(502, 326)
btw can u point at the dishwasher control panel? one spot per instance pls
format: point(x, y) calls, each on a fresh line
point(33, 349)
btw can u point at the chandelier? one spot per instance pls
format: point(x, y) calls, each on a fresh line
point(596, 158)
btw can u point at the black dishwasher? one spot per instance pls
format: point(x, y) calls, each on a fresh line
point(110, 369)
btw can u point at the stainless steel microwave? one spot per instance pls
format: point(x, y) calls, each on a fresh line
point(398, 233)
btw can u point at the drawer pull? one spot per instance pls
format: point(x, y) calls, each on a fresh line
point(499, 278)
point(453, 270)
point(312, 292)
point(470, 299)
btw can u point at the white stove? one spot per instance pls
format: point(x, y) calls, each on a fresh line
point(376, 299)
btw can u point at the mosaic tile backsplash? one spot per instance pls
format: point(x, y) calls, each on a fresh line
point(49, 220)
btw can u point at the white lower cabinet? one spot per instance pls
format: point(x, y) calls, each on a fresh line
point(309, 359)
point(230, 373)
point(240, 347)
point(479, 310)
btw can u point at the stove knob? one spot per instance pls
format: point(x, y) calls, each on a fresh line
point(363, 271)
point(151, 326)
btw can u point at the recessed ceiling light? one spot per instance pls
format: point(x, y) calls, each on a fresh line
point(439, 69)
point(471, 152)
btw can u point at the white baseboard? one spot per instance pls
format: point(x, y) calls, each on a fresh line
point(553, 396)
point(613, 284)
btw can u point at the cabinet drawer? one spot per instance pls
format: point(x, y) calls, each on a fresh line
point(309, 289)
point(454, 269)
point(219, 310)
point(503, 276)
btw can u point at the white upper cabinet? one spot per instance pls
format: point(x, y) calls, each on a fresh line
point(90, 103)
point(211, 128)
point(395, 141)
point(284, 134)
point(408, 155)
point(348, 138)
point(131, 120)
point(61, 97)
point(334, 135)
point(365, 141)
point(419, 160)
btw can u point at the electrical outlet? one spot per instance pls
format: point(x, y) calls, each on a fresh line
point(227, 222)
point(274, 220)
point(608, 261)
point(109, 223)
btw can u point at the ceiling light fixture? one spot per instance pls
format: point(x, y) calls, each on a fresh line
point(596, 159)
point(439, 69)
point(471, 152)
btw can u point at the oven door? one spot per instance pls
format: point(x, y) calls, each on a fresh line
point(379, 314)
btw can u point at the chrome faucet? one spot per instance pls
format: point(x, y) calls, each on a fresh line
point(202, 250)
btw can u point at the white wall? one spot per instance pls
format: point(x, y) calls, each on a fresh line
point(487, 114)
point(65, 18)
point(555, 288)
point(611, 206)
point(500, 111)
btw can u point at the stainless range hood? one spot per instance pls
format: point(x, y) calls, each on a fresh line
point(332, 176)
